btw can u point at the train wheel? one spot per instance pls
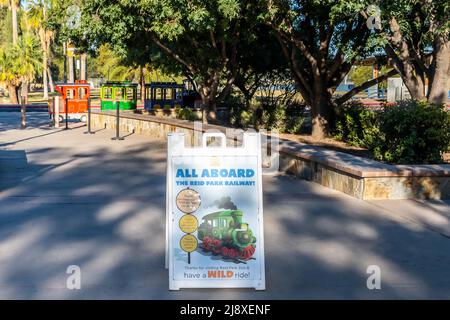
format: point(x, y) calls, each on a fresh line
point(233, 253)
point(61, 118)
point(207, 243)
point(247, 252)
point(224, 251)
point(216, 245)
point(83, 118)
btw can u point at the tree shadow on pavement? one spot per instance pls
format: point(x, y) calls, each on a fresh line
point(102, 207)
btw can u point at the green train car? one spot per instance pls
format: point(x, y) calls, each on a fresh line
point(225, 233)
point(123, 92)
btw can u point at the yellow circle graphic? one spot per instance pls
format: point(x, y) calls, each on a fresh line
point(188, 200)
point(188, 243)
point(188, 223)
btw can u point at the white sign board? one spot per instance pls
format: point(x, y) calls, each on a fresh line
point(214, 232)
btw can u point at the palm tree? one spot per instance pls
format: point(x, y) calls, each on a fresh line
point(113, 67)
point(8, 75)
point(19, 65)
point(37, 16)
point(14, 6)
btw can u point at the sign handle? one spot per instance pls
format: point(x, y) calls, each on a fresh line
point(223, 138)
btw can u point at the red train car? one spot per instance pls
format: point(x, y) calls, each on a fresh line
point(76, 95)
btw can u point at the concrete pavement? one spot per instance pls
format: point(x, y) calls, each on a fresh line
point(68, 198)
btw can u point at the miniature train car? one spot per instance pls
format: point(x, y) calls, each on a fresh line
point(125, 93)
point(74, 97)
point(163, 95)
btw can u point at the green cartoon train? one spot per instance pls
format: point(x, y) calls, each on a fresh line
point(225, 233)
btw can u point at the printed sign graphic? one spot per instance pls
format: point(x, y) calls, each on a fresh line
point(188, 200)
point(214, 214)
point(188, 223)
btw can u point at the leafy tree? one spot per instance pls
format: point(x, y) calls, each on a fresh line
point(5, 26)
point(196, 38)
point(113, 66)
point(415, 35)
point(203, 37)
point(14, 6)
point(19, 64)
point(361, 74)
point(321, 40)
point(37, 14)
point(260, 59)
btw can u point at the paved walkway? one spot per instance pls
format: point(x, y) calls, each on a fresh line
point(68, 198)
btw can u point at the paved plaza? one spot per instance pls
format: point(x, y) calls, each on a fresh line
point(68, 198)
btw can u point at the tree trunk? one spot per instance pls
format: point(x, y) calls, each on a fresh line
point(209, 104)
point(50, 79)
point(13, 94)
point(209, 107)
point(71, 69)
point(83, 66)
point(44, 73)
point(205, 107)
point(24, 89)
point(212, 110)
point(322, 113)
point(15, 27)
point(415, 85)
point(437, 92)
point(142, 82)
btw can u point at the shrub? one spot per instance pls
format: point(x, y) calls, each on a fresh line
point(295, 118)
point(284, 118)
point(185, 114)
point(240, 117)
point(357, 125)
point(238, 113)
point(413, 132)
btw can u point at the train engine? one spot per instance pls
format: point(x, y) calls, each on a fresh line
point(224, 233)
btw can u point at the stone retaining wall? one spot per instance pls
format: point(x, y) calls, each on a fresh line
point(359, 177)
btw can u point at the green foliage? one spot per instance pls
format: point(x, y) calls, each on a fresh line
point(286, 118)
point(357, 125)
point(5, 26)
point(412, 132)
point(185, 114)
point(239, 114)
point(360, 74)
point(111, 66)
point(199, 39)
point(20, 63)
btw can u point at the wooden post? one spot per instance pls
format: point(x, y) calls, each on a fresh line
point(117, 137)
point(23, 105)
point(66, 111)
point(51, 110)
point(56, 111)
point(89, 131)
point(23, 114)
